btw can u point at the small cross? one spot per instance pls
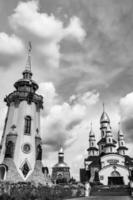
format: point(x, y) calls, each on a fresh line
point(13, 127)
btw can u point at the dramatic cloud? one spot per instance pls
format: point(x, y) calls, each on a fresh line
point(63, 121)
point(27, 19)
point(58, 126)
point(47, 90)
point(11, 45)
point(88, 98)
point(126, 111)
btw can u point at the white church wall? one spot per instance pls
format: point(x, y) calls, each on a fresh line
point(112, 159)
point(106, 172)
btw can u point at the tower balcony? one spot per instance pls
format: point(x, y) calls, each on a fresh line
point(17, 96)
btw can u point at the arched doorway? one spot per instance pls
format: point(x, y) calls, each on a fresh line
point(115, 178)
point(2, 172)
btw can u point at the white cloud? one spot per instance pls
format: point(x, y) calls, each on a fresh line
point(75, 29)
point(126, 112)
point(126, 106)
point(11, 45)
point(27, 19)
point(47, 90)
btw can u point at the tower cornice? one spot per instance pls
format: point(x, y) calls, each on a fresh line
point(16, 97)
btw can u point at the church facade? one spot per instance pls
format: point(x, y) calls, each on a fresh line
point(107, 162)
point(21, 146)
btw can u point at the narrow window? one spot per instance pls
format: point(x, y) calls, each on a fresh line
point(27, 128)
point(9, 150)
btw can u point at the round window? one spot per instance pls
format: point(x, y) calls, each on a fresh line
point(26, 148)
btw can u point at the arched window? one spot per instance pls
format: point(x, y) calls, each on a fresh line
point(9, 150)
point(2, 172)
point(27, 128)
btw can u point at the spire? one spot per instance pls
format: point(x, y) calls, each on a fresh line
point(27, 72)
point(91, 131)
point(103, 107)
point(28, 64)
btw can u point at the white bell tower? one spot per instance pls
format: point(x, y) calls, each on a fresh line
point(21, 150)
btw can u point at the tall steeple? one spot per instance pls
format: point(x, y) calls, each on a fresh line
point(21, 151)
point(121, 142)
point(92, 150)
point(109, 146)
point(27, 72)
point(104, 122)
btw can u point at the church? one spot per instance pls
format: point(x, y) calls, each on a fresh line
point(107, 162)
point(61, 171)
point(21, 145)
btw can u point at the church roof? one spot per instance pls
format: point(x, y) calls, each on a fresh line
point(92, 148)
point(95, 163)
point(128, 160)
point(103, 140)
point(61, 165)
point(109, 145)
point(122, 148)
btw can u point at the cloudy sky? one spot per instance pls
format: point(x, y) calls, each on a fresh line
point(82, 56)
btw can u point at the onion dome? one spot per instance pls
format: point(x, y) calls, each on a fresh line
point(60, 165)
point(104, 117)
point(61, 162)
point(121, 142)
point(91, 134)
point(120, 134)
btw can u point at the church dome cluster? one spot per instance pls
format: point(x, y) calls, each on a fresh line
point(106, 157)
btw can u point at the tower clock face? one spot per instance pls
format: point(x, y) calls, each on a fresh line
point(26, 148)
